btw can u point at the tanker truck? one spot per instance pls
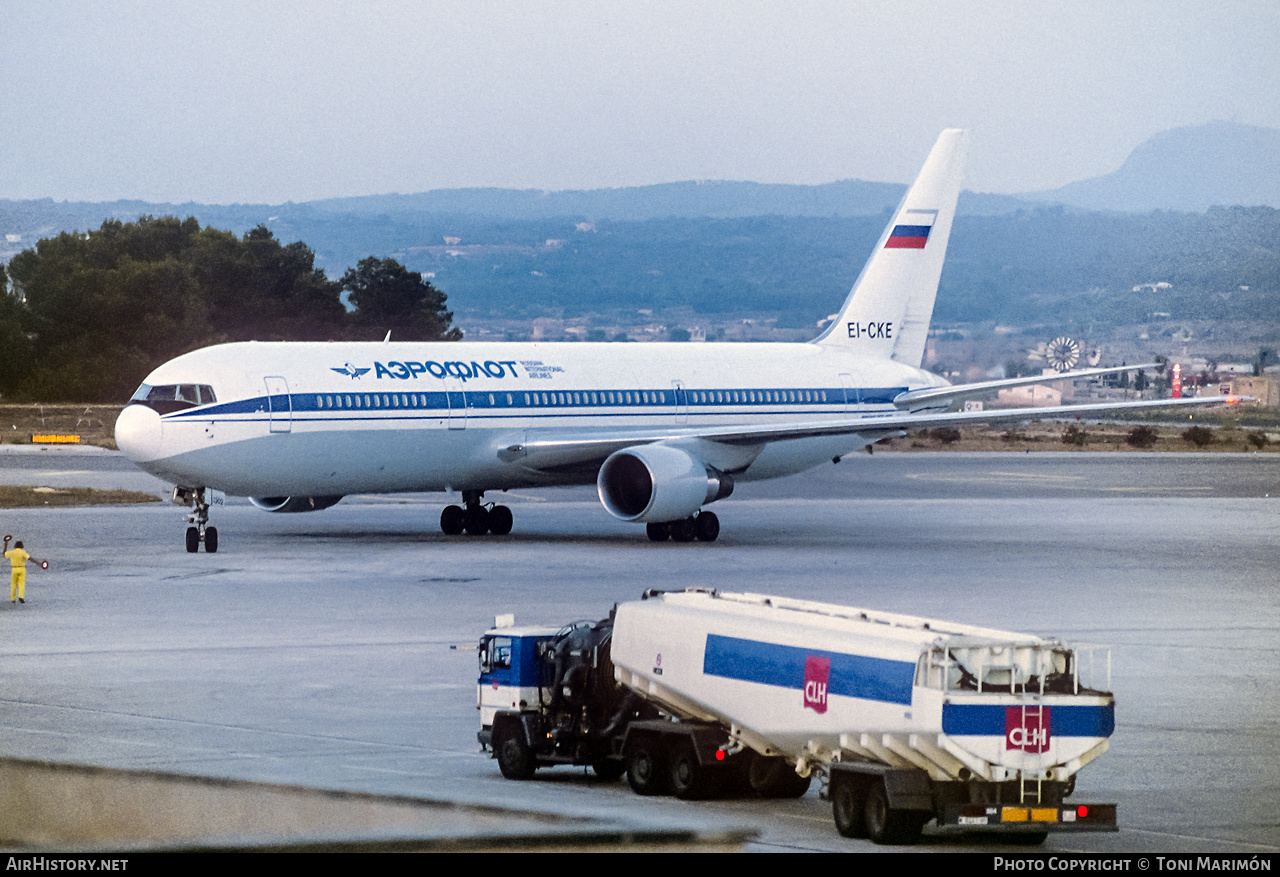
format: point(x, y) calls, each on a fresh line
point(906, 720)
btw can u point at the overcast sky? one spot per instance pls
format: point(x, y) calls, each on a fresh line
point(291, 100)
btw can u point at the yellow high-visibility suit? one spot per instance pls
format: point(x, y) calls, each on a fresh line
point(18, 557)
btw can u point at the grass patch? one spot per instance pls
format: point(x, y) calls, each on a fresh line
point(40, 497)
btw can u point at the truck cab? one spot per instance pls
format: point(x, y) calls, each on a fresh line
point(513, 673)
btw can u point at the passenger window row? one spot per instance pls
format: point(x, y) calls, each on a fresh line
point(579, 398)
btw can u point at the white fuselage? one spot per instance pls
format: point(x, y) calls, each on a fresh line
point(328, 419)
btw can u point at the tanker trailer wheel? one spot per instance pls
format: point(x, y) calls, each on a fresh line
point(771, 776)
point(690, 780)
point(646, 767)
point(886, 825)
point(847, 807)
point(514, 758)
point(609, 770)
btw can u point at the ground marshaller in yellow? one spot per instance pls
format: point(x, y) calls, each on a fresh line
point(18, 558)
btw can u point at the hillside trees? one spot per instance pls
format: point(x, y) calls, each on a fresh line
point(390, 298)
point(90, 314)
point(14, 353)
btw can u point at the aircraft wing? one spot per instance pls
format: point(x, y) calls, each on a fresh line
point(552, 450)
point(913, 398)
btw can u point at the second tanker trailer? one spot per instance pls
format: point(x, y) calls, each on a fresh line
point(908, 719)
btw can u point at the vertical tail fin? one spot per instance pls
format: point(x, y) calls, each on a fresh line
point(888, 311)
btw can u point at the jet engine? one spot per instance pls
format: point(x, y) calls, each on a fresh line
point(657, 483)
point(293, 503)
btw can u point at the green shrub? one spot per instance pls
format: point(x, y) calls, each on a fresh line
point(1142, 437)
point(1199, 436)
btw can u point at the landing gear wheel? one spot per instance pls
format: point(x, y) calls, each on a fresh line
point(658, 532)
point(847, 806)
point(500, 522)
point(684, 531)
point(452, 520)
point(707, 526)
point(646, 768)
point(199, 531)
point(886, 825)
point(514, 758)
point(476, 520)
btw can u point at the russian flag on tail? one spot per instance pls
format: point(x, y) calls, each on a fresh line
point(912, 234)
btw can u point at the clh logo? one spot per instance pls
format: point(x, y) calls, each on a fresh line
point(816, 673)
point(1026, 728)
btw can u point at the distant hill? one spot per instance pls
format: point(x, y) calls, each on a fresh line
point(714, 199)
point(1187, 169)
point(338, 228)
point(717, 199)
point(725, 245)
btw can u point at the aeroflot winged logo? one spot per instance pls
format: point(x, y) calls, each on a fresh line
point(350, 371)
point(463, 371)
point(912, 233)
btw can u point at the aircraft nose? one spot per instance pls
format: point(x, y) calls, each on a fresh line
point(138, 433)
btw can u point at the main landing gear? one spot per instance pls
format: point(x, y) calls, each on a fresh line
point(704, 526)
point(475, 518)
point(199, 531)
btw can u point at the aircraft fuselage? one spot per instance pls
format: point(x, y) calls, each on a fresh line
point(339, 418)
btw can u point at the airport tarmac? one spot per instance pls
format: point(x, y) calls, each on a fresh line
point(331, 649)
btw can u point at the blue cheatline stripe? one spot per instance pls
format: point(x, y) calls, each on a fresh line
point(409, 402)
point(783, 666)
point(1064, 721)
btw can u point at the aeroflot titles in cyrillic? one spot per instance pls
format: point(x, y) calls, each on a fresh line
point(870, 330)
point(455, 369)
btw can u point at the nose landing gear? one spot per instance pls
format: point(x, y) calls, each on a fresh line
point(200, 531)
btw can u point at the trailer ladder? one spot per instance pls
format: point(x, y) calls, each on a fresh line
point(1035, 785)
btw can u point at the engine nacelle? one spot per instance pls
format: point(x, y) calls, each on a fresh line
point(657, 483)
point(293, 503)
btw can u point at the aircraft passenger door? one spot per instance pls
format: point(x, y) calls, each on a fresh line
point(682, 402)
point(850, 392)
point(457, 401)
point(279, 405)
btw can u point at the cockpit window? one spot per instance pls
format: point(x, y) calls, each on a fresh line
point(173, 397)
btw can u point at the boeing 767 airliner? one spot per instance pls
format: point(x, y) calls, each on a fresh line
point(660, 429)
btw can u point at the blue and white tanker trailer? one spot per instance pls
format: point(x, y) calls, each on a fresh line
point(907, 719)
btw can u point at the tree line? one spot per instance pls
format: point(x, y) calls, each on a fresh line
point(85, 316)
point(1050, 266)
